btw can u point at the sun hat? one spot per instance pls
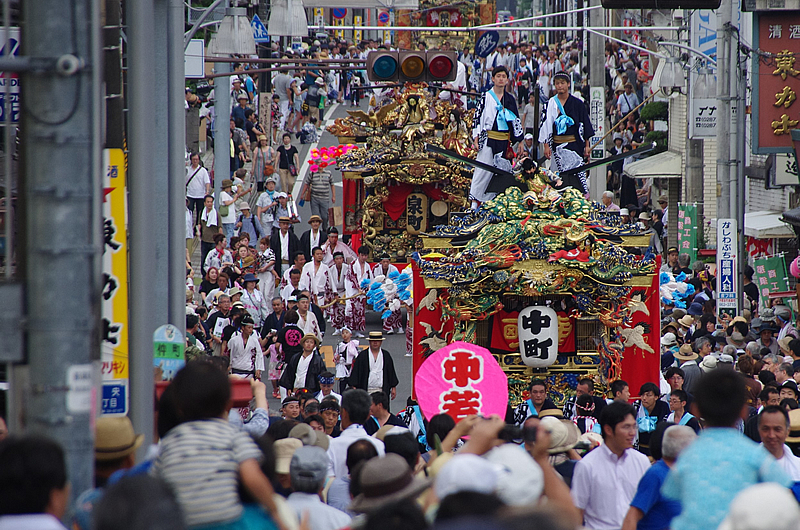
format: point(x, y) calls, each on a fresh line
point(284, 450)
point(115, 438)
point(309, 336)
point(243, 206)
point(624, 211)
point(686, 321)
point(669, 339)
point(226, 183)
point(685, 353)
point(521, 480)
point(319, 81)
point(308, 466)
point(375, 335)
point(307, 435)
point(736, 339)
point(783, 344)
point(564, 434)
point(314, 218)
point(695, 309)
point(747, 511)
point(466, 472)
point(386, 480)
point(250, 277)
point(709, 364)
point(644, 216)
point(528, 136)
point(234, 291)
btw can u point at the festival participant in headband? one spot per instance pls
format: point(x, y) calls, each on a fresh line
point(333, 245)
point(495, 128)
point(338, 272)
point(394, 322)
point(566, 132)
point(356, 307)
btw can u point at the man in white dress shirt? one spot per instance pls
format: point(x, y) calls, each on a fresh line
point(247, 357)
point(355, 412)
point(605, 481)
point(315, 277)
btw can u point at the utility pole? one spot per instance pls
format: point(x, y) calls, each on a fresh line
point(61, 241)
point(141, 190)
point(176, 120)
point(724, 162)
point(222, 132)
point(597, 180)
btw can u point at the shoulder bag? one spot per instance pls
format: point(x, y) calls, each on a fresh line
point(193, 175)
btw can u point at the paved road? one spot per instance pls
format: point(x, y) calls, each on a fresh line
point(395, 344)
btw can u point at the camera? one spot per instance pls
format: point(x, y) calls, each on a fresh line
point(514, 434)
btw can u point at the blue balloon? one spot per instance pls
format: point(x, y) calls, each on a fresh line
point(663, 278)
point(681, 277)
point(386, 314)
point(393, 275)
point(364, 283)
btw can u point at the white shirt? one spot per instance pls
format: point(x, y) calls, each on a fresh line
point(231, 217)
point(287, 291)
point(338, 279)
point(320, 515)
point(337, 450)
point(196, 189)
point(302, 371)
point(320, 397)
point(314, 239)
point(349, 255)
point(314, 278)
point(790, 463)
point(309, 324)
point(284, 245)
point(242, 355)
point(359, 273)
point(375, 383)
point(603, 486)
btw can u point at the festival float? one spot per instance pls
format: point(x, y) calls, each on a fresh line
point(550, 284)
point(394, 190)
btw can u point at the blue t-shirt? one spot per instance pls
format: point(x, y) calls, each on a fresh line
point(658, 511)
point(712, 471)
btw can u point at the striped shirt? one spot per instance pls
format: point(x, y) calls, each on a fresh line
point(200, 461)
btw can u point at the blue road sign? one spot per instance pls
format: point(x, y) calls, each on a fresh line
point(115, 397)
point(259, 31)
point(339, 12)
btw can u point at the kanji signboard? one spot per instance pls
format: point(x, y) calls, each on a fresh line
point(538, 336)
point(687, 230)
point(114, 303)
point(727, 267)
point(770, 277)
point(597, 115)
point(168, 347)
point(460, 380)
point(777, 83)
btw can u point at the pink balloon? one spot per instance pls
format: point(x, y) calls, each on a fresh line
point(794, 268)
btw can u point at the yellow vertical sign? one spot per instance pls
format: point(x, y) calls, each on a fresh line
point(115, 288)
point(339, 32)
point(357, 22)
point(319, 16)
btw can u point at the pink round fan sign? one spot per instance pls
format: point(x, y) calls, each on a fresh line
point(459, 380)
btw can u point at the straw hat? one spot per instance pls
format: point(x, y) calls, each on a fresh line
point(115, 438)
point(685, 353)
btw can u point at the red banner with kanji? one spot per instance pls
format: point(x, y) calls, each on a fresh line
point(776, 110)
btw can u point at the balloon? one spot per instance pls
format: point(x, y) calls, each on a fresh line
point(794, 267)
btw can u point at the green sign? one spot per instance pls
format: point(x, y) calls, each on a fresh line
point(770, 277)
point(687, 230)
point(168, 347)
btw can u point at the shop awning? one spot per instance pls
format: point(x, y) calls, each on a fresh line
point(766, 225)
point(662, 165)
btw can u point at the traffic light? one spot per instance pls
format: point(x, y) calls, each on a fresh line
point(661, 4)
point(412, 66)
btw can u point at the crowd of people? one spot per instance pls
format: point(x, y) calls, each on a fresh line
point(329, 461)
